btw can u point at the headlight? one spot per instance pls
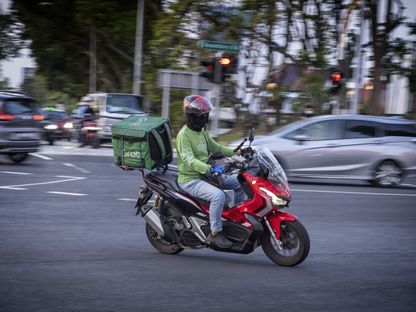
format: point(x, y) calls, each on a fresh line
point(51, 127)
point(276, 201)
point(68, 125)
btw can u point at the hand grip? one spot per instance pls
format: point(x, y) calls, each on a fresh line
point(239, 146)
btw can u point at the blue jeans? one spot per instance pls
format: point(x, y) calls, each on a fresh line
point(216, 197)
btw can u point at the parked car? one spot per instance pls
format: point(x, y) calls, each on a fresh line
point(58, 125)
point(109, 108)
point(378, 149)
point(19, 128)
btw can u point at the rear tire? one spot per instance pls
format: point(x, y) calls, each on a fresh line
point(388, 173)
point(18, 157)
point(295, 244)
point(160, 244)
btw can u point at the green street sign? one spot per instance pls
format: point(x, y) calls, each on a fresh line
point(219, 46)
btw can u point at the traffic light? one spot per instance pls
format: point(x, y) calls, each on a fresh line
point(210, 68)
point(220, 68)
point(336, 78)
point(228, 65)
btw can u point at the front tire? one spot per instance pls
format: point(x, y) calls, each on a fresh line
point(388, 173)
point(295, 244)
point(18, 157)
point(160, 244)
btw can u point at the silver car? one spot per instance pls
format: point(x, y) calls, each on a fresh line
point(378, 149)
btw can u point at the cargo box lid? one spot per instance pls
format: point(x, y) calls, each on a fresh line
point(137, 125)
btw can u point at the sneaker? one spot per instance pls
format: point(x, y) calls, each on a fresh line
point(219, 240)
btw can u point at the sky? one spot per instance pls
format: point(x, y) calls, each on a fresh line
point(13, 69)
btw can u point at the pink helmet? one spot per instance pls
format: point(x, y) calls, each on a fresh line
point(196, 110)
point(196, 104)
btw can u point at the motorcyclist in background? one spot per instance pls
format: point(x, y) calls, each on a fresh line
point(194, 146)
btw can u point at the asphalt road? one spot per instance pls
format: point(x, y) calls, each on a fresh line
point(69, 241)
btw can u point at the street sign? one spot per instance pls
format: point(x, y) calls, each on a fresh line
point(219, 46)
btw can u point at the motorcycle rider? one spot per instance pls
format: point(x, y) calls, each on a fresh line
point(194, 145)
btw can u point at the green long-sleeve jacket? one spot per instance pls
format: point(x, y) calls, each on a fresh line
point(193, 153)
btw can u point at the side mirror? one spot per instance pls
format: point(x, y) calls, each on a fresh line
point(252, 134)
point(301, 138)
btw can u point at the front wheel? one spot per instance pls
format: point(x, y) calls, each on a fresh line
point(161, 244)
point(18, 157)
point(294, 247)
point(388, 173)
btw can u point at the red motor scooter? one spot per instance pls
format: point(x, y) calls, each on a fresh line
point(176, 220)
point(89, 132)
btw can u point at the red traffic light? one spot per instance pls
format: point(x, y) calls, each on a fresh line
point(336, 77)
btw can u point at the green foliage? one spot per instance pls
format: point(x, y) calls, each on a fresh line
point(37, 87)
point(60, 39)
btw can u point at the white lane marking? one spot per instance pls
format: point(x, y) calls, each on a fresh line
point(134, 200)
point(66, 179)
point(356, 193)
point(76, 167)
point(66, 193)
point(41, 156)
point(127, 199)
point(13, 172)
point(14, 188)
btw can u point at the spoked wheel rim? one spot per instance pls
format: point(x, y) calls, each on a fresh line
point(290, 242)
point(388, 173)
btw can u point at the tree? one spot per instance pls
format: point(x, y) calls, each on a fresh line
point(59, 34)
point(387, 52)
point(10, 42)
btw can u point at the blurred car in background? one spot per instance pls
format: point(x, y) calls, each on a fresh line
point(378, 149)
point(19, 125)
point(58, 125)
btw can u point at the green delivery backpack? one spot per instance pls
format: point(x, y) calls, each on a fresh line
point(142, 142)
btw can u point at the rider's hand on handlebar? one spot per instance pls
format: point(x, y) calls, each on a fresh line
point(247, 150)
point(217, 170)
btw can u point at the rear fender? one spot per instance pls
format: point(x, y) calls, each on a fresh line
point(275, 221)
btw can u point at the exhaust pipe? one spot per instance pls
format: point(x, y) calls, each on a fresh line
point(152, 217)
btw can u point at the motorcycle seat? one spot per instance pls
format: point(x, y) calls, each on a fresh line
point(167, 179)
point(170, 180)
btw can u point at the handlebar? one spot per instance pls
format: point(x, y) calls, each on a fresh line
point(240, 145)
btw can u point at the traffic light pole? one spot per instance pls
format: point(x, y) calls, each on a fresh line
point(215, 99)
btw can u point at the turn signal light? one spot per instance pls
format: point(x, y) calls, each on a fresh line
point(38, 117)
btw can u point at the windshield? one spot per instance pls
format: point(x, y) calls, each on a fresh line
point(124, 103)
point(266, 159)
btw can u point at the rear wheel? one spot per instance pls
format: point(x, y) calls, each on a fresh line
point(294, 246)
point(161, 244)
point(388, 173)
point(18, 157)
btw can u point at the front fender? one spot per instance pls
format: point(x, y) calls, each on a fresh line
point(276, 219)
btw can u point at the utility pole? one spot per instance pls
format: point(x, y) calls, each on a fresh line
point(359, 65)
point(93, 60)
point(138, 48)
